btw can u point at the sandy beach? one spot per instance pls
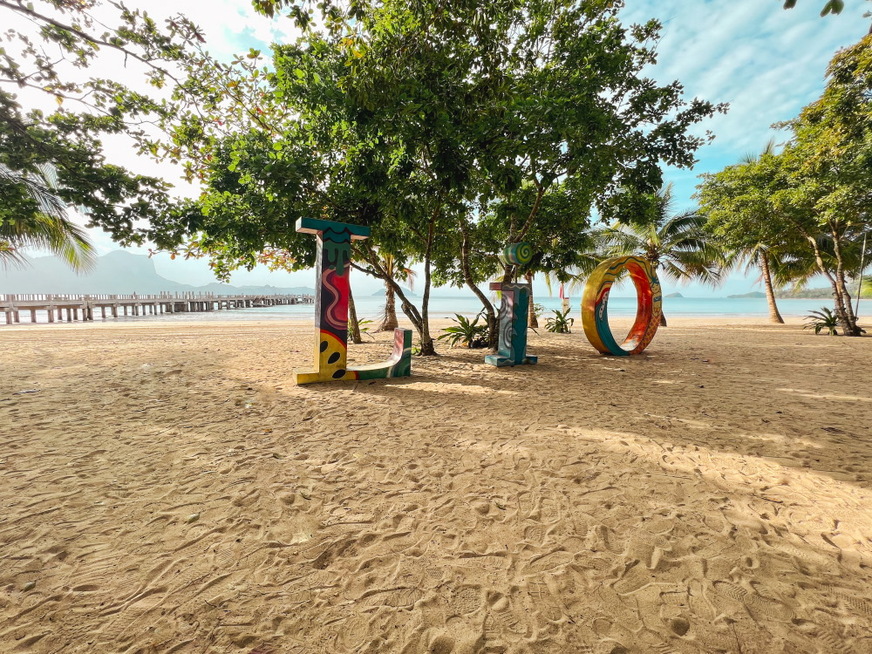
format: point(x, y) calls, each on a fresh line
point(168, 488)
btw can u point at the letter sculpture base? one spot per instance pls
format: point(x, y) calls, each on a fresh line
point(333, 266)
point(513, 326)
point(330, 353)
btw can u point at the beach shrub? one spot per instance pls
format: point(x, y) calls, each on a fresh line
point(466, 333)
point(823, 319)
point(560, 322)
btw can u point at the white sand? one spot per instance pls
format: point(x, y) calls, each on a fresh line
point(169, 489)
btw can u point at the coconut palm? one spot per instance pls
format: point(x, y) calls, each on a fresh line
point(33, 216)
point(674, 244)
point(742, 217)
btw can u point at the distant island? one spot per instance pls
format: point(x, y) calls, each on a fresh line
point(754, 294)
point(409, 292)
point(116, 273)
point(676, 294)
point(810, 293)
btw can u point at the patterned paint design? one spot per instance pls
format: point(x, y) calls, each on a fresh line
point(333, 267)
point(517, 253)
point(513, 326)
point(594, 306)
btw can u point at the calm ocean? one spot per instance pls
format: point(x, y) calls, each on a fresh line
point(370, 307)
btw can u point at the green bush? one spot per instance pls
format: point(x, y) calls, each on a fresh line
point(466, 333)
point(560, 322)
point(823, 319)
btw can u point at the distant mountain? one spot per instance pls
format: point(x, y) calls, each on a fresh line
point(117, 272)
point(818, 293)
point(381, 292)
point(747, 295)
point(676, 294)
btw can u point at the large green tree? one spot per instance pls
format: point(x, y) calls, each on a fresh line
point(50, 45)
point(741, 215)
point(450, 129)
point(812, 203)
point(829, 169)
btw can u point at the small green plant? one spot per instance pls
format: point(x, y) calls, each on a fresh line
point(362, 325)
point(821, 320)
point(560, 322)
point(466, 333)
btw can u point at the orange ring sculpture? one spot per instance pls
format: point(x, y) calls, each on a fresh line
point(595, 301)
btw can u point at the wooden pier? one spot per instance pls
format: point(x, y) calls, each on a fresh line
point(83, 307)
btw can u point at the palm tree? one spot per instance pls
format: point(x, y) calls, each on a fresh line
point(674, 244)
point(35, 217)
point(395, 271)
point(742, 218)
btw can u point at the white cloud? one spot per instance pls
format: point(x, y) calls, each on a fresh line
point(766, 62)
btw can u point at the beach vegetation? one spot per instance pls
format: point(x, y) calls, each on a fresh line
point(466, 332)
point(674, 243)
point(364, 327)
point(560, 322)
point(821, 320)
point(50, 50)
point(810, 203)
point(831, 6)
point(450, 130)
point(33, 216)
point(740, 216)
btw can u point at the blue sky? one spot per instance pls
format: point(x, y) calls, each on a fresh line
point(767, 63)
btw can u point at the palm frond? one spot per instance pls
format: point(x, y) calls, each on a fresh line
point(49, 228)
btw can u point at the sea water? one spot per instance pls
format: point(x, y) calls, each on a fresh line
point(371, 307)
point(441, 307)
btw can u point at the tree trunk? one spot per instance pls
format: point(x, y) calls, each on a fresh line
point(353, 325)
point(774, 315)
point(844, 311)
point(532, 319)
point(428, 348)
point(411, 311)
point(663, 319)
point(844, 308)
point(389, 322)
point(493, 328)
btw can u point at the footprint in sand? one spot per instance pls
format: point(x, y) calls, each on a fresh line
point(760, 607)
point(502, 619)
point(466, 600)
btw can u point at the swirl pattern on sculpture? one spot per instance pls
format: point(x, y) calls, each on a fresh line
point(518, 253)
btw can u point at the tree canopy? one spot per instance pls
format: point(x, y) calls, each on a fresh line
point(813, 201)
point(51, 57)
point(450, 130)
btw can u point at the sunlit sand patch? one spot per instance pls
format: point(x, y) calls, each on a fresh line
point(825, 396)
point(481, 514)
point(466, 389)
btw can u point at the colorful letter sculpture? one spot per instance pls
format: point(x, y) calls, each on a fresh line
point(595, 301)
point(331, 310)
point(513, 326)
point(514, 310)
